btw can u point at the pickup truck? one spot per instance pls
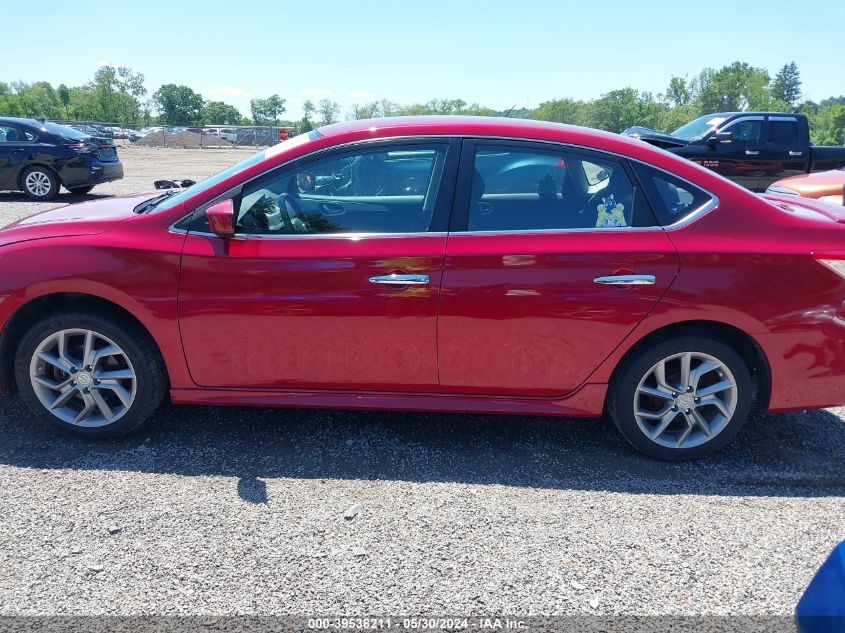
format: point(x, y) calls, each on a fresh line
point(753, 149)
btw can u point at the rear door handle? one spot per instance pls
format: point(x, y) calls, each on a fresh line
point(626, 280)
point(751, 152)
point(791, 153)
point(400, 280)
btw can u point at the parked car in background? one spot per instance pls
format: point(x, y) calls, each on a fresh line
point(226, 133)
point(434, 263)
point(196, 130)
point(753, 149)
point(827, 186)
point(146, 131)
point(118, 132)
point(39, 157)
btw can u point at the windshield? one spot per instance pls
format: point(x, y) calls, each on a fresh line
point(63, 130)
point(170, 201)
point(700, 126)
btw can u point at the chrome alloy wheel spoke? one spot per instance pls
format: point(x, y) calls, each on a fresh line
point(83, 378)
point(685, 400)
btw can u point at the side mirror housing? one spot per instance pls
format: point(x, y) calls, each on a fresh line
point(720, 137)
point(221, 218)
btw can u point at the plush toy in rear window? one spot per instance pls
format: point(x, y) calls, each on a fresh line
point(610, 213)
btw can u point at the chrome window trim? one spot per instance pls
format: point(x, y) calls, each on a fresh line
point(333, 236)
point(742, 119)
point(789, 119)
point(682, 222)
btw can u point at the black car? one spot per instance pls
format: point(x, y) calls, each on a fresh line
point(753, 149)
point(38, 157)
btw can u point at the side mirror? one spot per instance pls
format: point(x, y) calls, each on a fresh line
point(720, 137)
point(221, 218)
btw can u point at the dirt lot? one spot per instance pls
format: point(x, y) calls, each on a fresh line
point(141, 166)
point(223, 511)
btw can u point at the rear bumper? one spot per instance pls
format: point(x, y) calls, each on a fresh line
point(91, 172)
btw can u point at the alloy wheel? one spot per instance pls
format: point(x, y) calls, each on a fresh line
point(37, 183)
point(685, 400)
point(83, 378)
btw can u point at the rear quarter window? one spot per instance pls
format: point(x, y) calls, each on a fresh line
point(672, 198)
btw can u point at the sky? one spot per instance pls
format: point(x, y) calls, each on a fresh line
point(496, 53)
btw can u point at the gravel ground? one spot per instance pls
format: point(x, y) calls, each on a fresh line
point(241, 511)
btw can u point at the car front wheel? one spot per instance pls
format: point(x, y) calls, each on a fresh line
point(683, 398)
point(89, 375)
point(39, 183)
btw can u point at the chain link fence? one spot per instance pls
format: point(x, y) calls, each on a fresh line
point(184, 137)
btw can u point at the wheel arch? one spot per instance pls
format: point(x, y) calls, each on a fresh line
point(39, 307)
point(749, 349)
point(29, 166)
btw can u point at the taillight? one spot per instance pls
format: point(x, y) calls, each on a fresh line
point(82, 148)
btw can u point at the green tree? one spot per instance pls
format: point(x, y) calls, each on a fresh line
point(680, 92)
point(267, 111)
point(329, 111)
point(116, 93)
point(178, 104)
point(308, 110)
point(219, 112)
point(828, 126)
point(786, 85)
point(618, 110)
point(563, 111)
point(37, 100)
point(64, 96)
point(366, 111)
point(737, 87)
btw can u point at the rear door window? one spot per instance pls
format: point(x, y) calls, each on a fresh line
point(519, 188)
point(783, 131)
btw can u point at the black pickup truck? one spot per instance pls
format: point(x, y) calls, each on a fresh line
point(751, 148)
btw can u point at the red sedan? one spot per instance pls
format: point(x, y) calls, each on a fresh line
point(444, 264)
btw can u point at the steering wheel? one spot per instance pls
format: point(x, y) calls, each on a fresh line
point(290, 206)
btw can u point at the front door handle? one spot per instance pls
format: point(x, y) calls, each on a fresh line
point(400, 280)
point(791, 153)
point(625, 280)
point(751, 152)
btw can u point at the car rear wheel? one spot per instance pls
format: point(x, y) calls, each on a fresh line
point(89, 375)
point(683, 398)
point(40, 183)
point(80, 191)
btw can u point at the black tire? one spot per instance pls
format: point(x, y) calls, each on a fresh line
point(80, 191)
point(43, 175)
point(623, 390)
point(136, 344)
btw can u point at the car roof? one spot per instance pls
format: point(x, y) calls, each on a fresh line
point(22, 121)
point(480, 126)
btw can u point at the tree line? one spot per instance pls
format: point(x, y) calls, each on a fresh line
point(117, 94)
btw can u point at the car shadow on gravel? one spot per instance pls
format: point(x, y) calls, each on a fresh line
point(798, 454)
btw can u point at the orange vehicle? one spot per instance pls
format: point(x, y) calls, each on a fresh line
point(827, 186)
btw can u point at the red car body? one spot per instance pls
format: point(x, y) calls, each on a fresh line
point(510, 322)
